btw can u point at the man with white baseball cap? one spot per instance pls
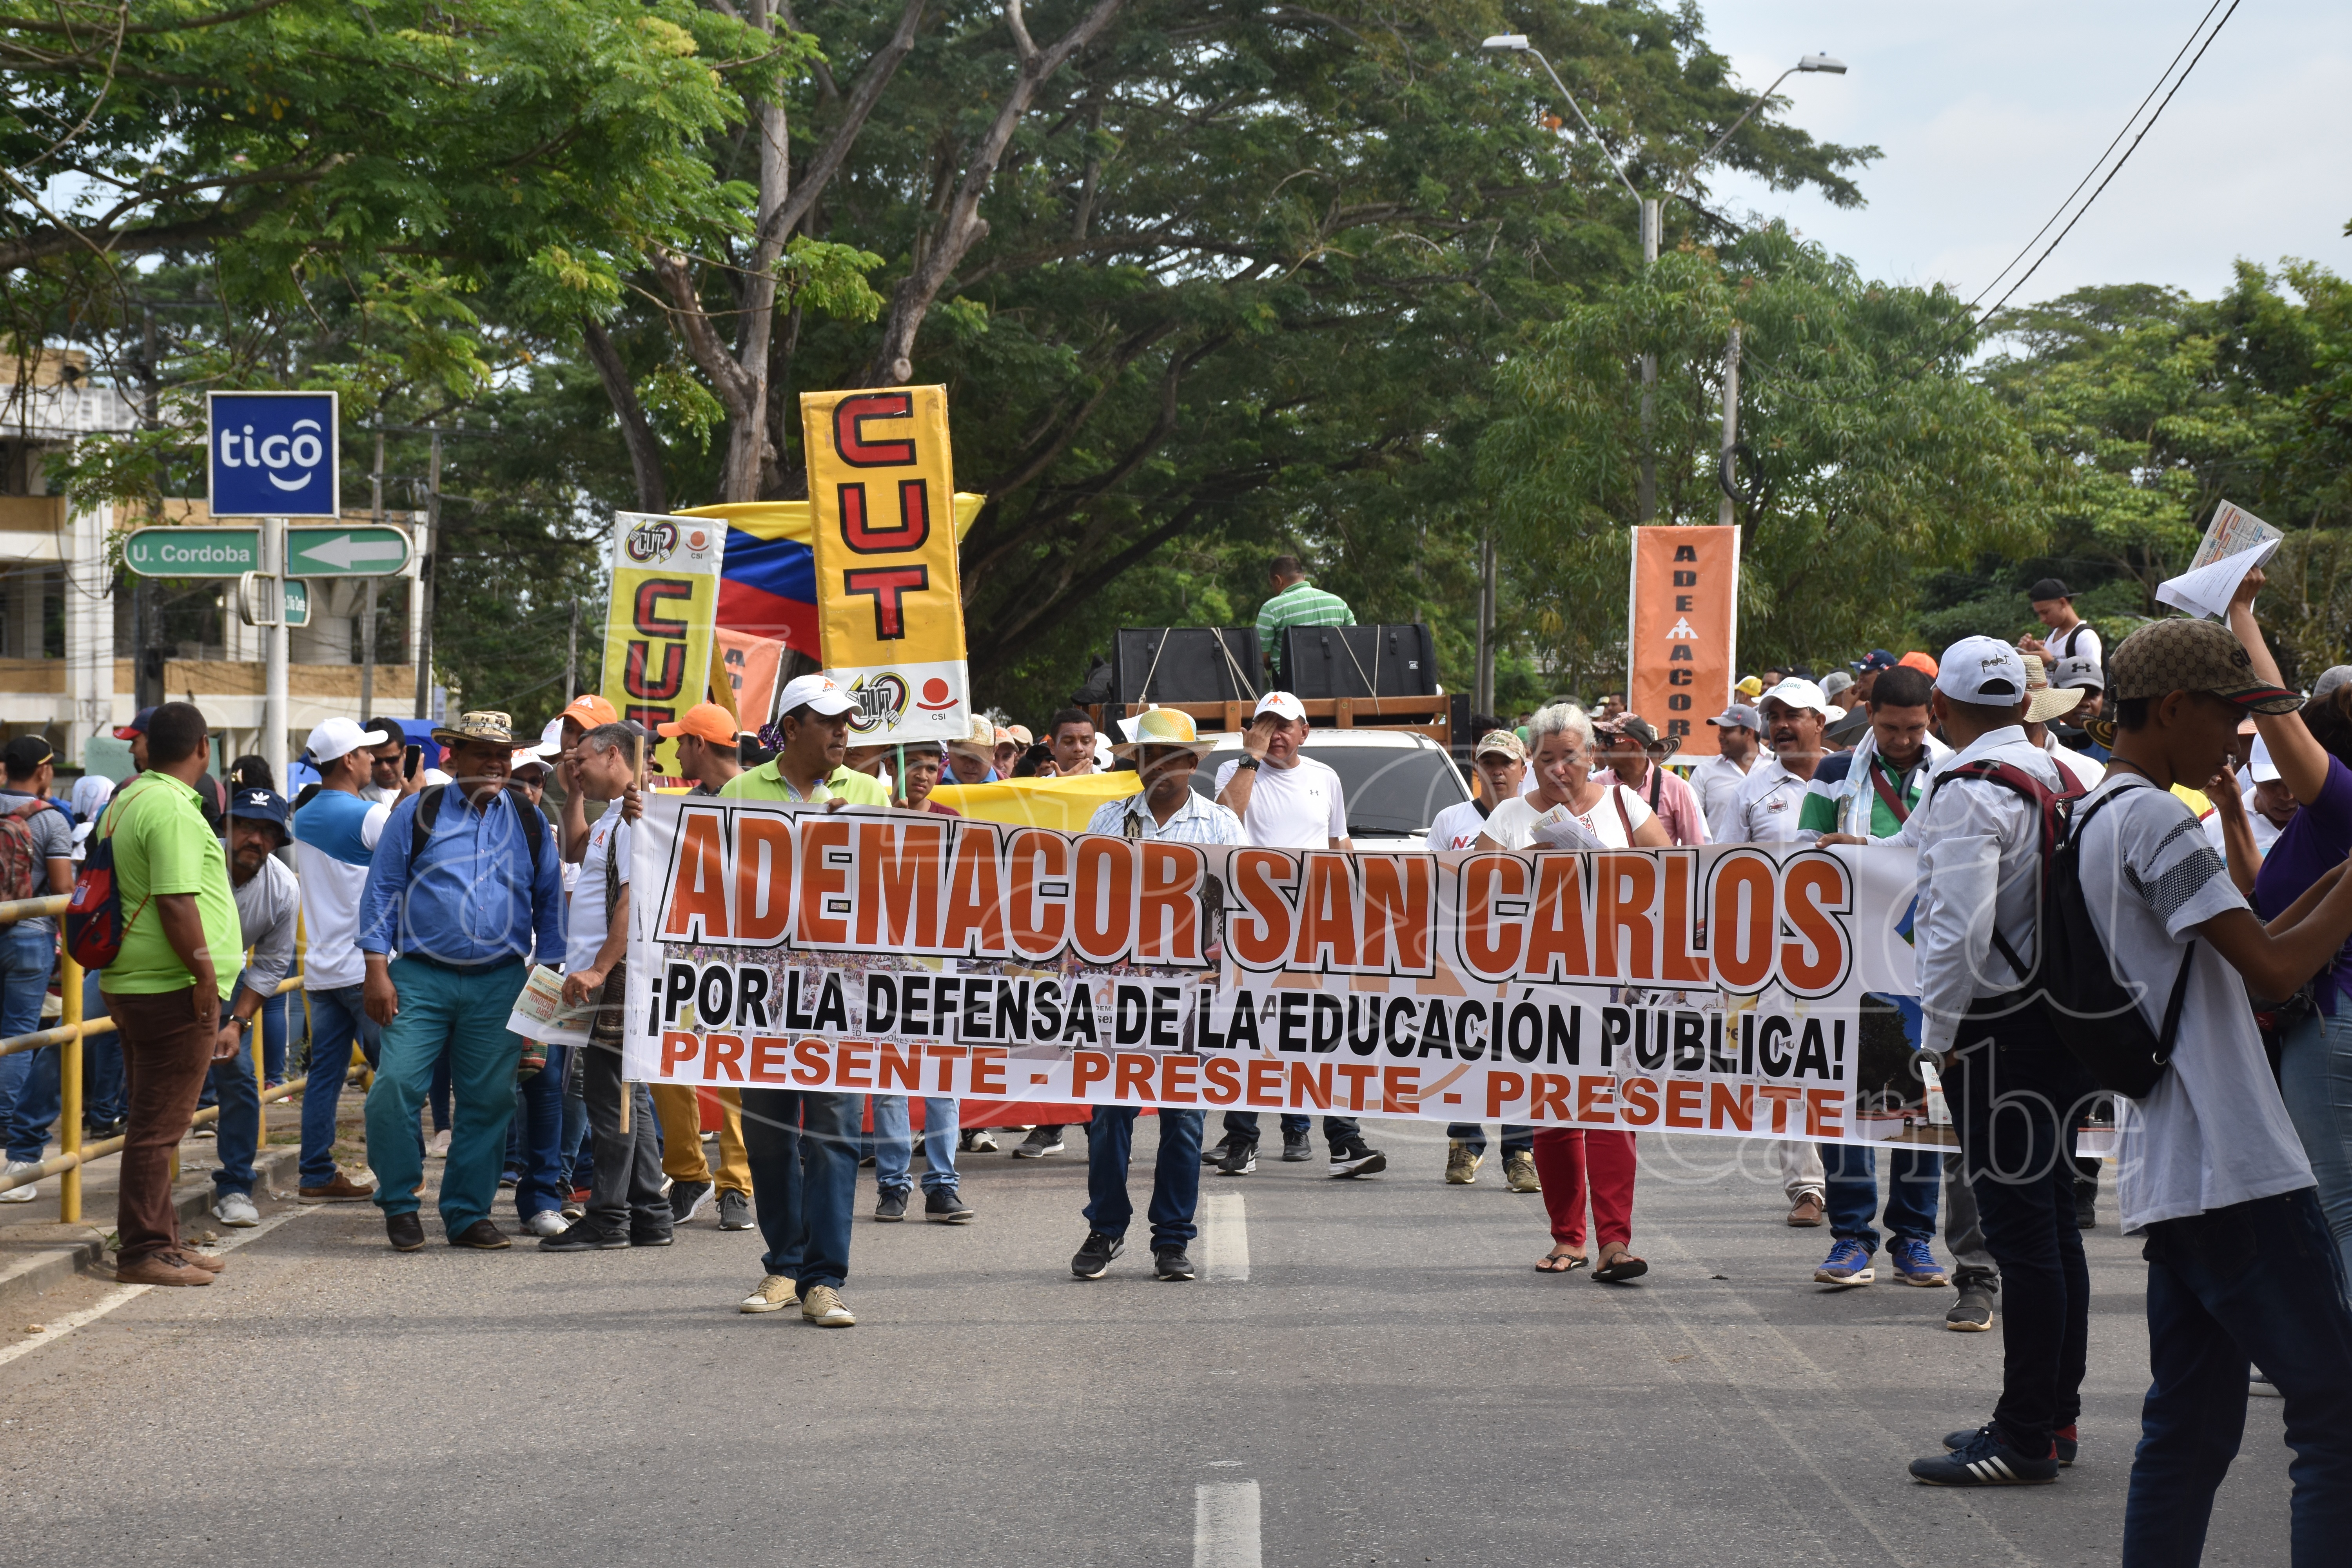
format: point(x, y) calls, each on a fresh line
point(335, 833)
point(2270, 806)
point(811, 742)
point(1977, 938)
point(1288, 801)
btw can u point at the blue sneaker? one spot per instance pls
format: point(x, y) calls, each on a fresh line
point(1847, 1264)
point(1914, 1263)
point(1985, 1462)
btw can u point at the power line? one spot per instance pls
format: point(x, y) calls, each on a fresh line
point(2119, 164)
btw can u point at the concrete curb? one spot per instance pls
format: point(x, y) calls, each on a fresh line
point(79, 1247)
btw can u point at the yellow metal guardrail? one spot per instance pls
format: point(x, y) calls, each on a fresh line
point(72, 1156)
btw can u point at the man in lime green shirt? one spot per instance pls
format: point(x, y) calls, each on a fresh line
point(181, 949)
point(1295, 601)
point(816, 770)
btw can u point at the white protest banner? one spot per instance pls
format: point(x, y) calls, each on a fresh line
point(1711, 990)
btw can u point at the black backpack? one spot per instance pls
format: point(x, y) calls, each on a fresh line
point(428, 811)
point(2095, 1015)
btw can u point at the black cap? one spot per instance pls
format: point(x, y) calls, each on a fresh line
point(26, 752)
point(2048, 588)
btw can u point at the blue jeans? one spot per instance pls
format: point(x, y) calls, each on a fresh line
point(238, 1130)
point(1175, 1176)
point(2315, 1075)
point(28, 1079)
point(893, 1145)
point(1515, 1140)
point(538, 1118)
point(338, 1022)
point(577, 1151)
point(803, 1150)
point(1850, 1173)
point(460, 1015)
point(102, 1062)
point(271, 1020)
point(2257, 1282)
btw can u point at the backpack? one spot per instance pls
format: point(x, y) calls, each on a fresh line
point(428, 812)
point(23, 872)
point(94, 926)
point(2074, 974)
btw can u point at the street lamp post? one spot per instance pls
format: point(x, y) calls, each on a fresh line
point(1653, 220)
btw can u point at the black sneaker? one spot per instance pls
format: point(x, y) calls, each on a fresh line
point(943, 1205)
point(734, 1210)
point(405, 1231)
point(483, 1237)
point(1214, 1154)
point(1297, 1148)
point(2065, 1440)
point(1095, 1253)
point(1984, 1460)
point(1041, 1141)
point(1170, 1263)
point(1240, 1159)
point(890, 1207)
point(1972, 1313)
point(686, 1199)
point(1357, 1158)
point(651, 1235)
point(583, 1236)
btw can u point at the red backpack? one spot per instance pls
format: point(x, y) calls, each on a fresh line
point(23, 873)
point(95, 925)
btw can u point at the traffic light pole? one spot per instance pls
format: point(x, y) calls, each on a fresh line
point(274, 683)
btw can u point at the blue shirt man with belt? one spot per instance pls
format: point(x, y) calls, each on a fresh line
point(464, 882)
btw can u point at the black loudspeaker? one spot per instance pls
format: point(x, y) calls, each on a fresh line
point(1359, 661)
point(1185, 664)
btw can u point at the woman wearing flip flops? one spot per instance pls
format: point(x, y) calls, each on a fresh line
point(1568, 806)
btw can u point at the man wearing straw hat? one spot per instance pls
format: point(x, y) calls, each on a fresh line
point(465, 878)
point(1166, 749)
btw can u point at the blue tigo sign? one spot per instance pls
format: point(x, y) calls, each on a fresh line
point(273, 453)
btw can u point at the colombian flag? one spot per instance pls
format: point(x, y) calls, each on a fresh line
point(769, 588)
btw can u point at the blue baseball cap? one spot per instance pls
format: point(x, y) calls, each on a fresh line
point(138, 725)
point(1878, 659)
point(260, 806)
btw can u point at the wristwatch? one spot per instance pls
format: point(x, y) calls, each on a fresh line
point(1248, 763)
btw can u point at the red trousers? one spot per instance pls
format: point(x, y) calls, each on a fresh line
point(1572, 1159)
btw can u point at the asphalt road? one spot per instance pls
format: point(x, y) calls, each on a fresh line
point(1389, 1382)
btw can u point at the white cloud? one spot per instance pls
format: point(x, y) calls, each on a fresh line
point(1989, 112)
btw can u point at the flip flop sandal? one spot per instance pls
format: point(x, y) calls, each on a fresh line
point(1561, 1265)
point(1625, 1266)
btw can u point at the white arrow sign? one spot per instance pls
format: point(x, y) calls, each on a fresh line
point(343, 551)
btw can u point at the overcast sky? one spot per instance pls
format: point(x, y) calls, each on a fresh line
point(1989, 112)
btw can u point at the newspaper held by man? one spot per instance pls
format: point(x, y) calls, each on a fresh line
point(2235, 542)
point(540, 1012)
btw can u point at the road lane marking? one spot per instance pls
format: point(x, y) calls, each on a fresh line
point(122, 1293)
point(1224, 1523)
point(1225, 1243)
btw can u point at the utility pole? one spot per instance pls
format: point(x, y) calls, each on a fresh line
point(1482, 695)
point(571, 657)
point(1646, 500)
point(426, 570)
point(1725, 468)
point(367, 594)
point(274, 679)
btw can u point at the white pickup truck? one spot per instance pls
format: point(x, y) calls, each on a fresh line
point(1394, 781)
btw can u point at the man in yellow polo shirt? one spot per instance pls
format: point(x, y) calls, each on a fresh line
point(181, 950)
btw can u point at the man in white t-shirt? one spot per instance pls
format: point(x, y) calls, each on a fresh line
point(626, 1205)
point(1739, 737)
point(1286, 801)
point(2242, 1266)
point(335, 834)
point(2070, 635)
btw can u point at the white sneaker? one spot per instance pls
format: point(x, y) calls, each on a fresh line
point(25, 1194)
point(237, 1209)
point(546, 1222)
point(437, 1146)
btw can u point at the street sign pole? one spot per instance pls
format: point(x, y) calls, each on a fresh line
point(274, 701)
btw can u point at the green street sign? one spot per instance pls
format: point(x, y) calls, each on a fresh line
point(363, 551)
point(192, 551)
point(296, 602)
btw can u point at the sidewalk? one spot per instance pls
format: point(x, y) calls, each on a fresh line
point(37, 1251)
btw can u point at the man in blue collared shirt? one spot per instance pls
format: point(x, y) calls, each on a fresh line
point(462, 913)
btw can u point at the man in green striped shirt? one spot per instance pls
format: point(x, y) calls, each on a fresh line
point(1296, 602)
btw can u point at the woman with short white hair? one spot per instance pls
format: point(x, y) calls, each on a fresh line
point(1575, 1163)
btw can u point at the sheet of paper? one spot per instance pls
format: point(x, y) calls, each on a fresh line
point(1562, 830)
point(2232, 531)
point(540, 1012)
point(2207, 590)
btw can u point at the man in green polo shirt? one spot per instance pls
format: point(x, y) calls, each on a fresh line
point(181, 950)
point(1296, 602)
point(817, 769)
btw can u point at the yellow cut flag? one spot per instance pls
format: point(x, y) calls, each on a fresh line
point(889, 609)
point(659, 634)
point(1063, 804)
